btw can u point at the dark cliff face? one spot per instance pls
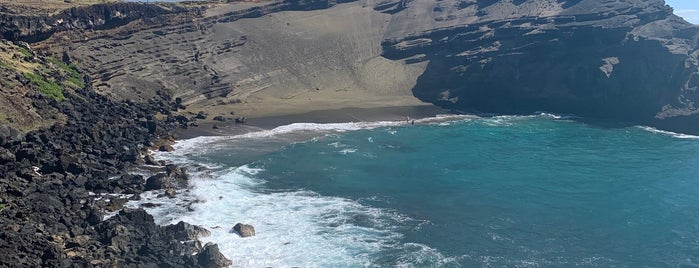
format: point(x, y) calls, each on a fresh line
point(630, 61)
point(33, 28)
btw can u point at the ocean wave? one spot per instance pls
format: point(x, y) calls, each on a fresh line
point(668, 133)
point(301, 132)
point(289, 225)
point(510, 120)
point(339, 232)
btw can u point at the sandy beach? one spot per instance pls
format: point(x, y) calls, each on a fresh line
point(397, 113)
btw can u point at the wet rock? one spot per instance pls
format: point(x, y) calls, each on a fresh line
point(166, 148)
point(184, 231)
point(149, 160)
point(212, 257)
point(220, 118)
point(174, 177)
point(170, 193)
point(159, 181)
point(241, 120)
point(244, 230)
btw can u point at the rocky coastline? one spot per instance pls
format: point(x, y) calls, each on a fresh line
point(57, 184)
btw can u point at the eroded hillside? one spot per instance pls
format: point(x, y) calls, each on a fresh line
point(624, 60)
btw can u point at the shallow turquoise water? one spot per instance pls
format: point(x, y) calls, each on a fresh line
point(498, 192)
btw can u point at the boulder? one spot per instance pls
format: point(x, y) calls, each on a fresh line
point(174, 177)
point(212, 257)
point(176, 172)
point(244, 230)
point(170, 193)
point(166, 148)
point(10, 135)
point(183, 231)
point(241, 120)
point(159, 181)
point(6, 156)
point(149, 160)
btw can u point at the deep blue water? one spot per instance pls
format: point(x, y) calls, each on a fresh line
point(497, 192)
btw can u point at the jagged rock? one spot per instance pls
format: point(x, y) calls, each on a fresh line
point(6, 156)
point(31, 27)
point(149, 160)
point(184, 231)
point(244, 230)
point(212, 257)
point(10, 135)
point(166, 148)
point(159, 181)
point(170, 193)
point(179, 173)
point(174, 177)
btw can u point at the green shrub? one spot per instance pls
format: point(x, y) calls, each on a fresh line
point(47, 87)
point(25, 52)
point(77, 81)
point(74, 76)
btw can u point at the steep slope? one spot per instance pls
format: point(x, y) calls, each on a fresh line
point(623, 60)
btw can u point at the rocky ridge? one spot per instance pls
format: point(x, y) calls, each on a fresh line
point(31, 24)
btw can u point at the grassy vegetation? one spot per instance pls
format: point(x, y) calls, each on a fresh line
point(74, 77)
point(24, 52)
point(47, 87)
point(2, 206)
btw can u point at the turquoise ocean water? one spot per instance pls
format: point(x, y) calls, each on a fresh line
point(509, 191)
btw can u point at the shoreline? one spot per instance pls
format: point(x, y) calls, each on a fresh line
point(343, 115)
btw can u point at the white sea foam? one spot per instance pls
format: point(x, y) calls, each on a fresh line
point(668, 133)
point(295, 132)
point(347, 151)
point(298, 228)
point(509, 120)
point(419, 255)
